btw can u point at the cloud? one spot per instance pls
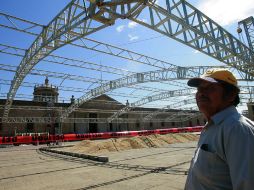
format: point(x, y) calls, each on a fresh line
point(120, 28)
point(132, 24)
point(226, 12)
point(142, 20)
point(131, 37)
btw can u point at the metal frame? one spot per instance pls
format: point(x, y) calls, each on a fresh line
point(248, 25)
point(176, 19)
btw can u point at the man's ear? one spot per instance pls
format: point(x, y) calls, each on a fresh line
point(230, 97)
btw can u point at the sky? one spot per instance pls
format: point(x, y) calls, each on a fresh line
point(125, 34)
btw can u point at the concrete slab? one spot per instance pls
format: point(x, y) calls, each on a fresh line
point(24, 167)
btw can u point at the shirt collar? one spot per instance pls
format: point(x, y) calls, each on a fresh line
point(220, 116)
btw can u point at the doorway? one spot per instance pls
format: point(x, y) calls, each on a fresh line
point(93, 126)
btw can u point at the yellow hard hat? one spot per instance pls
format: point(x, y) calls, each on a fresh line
point(213, 75)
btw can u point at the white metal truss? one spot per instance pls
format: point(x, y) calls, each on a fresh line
point(99, 47)
point(55, 59)
point(88, 65)
point(75, 21)
point(179, 105)
point(110, 49)
point(164, 95)
point(51, 74)
point(151, 76)
point(64, 88)
point(198, 70)
point(31, 85)
point(183, 22)
point(71, 77)
point(176, 19)
point(148, 99)
point(176, 105)
point(93, 45)
point(248, 25)
point(93, 66)
point(182, 116)
point(20, 24)
point(141, 78)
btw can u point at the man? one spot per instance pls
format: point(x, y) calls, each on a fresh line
point(224, 158)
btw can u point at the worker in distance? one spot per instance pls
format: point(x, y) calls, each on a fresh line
point(224, 158)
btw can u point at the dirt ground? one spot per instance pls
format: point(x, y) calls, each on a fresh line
point(155, 162)
point(98, 147)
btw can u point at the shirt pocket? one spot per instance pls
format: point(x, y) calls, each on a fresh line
point(209, 166)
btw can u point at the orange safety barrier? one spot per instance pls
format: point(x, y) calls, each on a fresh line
point(42, 139)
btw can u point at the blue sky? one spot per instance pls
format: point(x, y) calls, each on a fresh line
point(123, 33)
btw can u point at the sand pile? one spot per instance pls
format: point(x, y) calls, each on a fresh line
point(119, 144)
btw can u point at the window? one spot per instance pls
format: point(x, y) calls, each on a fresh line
point(110, 127)
point(137, 125)
point(30, 127)
point(92, 115)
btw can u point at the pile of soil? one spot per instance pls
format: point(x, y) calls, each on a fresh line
point(119, 144)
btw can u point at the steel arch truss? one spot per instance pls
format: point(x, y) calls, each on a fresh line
point(248, 25)
point(183, 22)
point(148, 99)
point(165, 95)
point(171, 106)
point(176, 19)
point(151, 76)
point(75, 21)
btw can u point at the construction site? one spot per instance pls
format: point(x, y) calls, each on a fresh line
point(94, 95)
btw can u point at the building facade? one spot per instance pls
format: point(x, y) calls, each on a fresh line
point(42, 115)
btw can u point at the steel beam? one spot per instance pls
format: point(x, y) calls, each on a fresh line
point(72, 23)
point(183, 22)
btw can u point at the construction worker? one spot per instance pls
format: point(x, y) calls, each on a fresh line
point(224, 158)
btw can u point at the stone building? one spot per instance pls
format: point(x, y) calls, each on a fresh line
point(42, 115)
